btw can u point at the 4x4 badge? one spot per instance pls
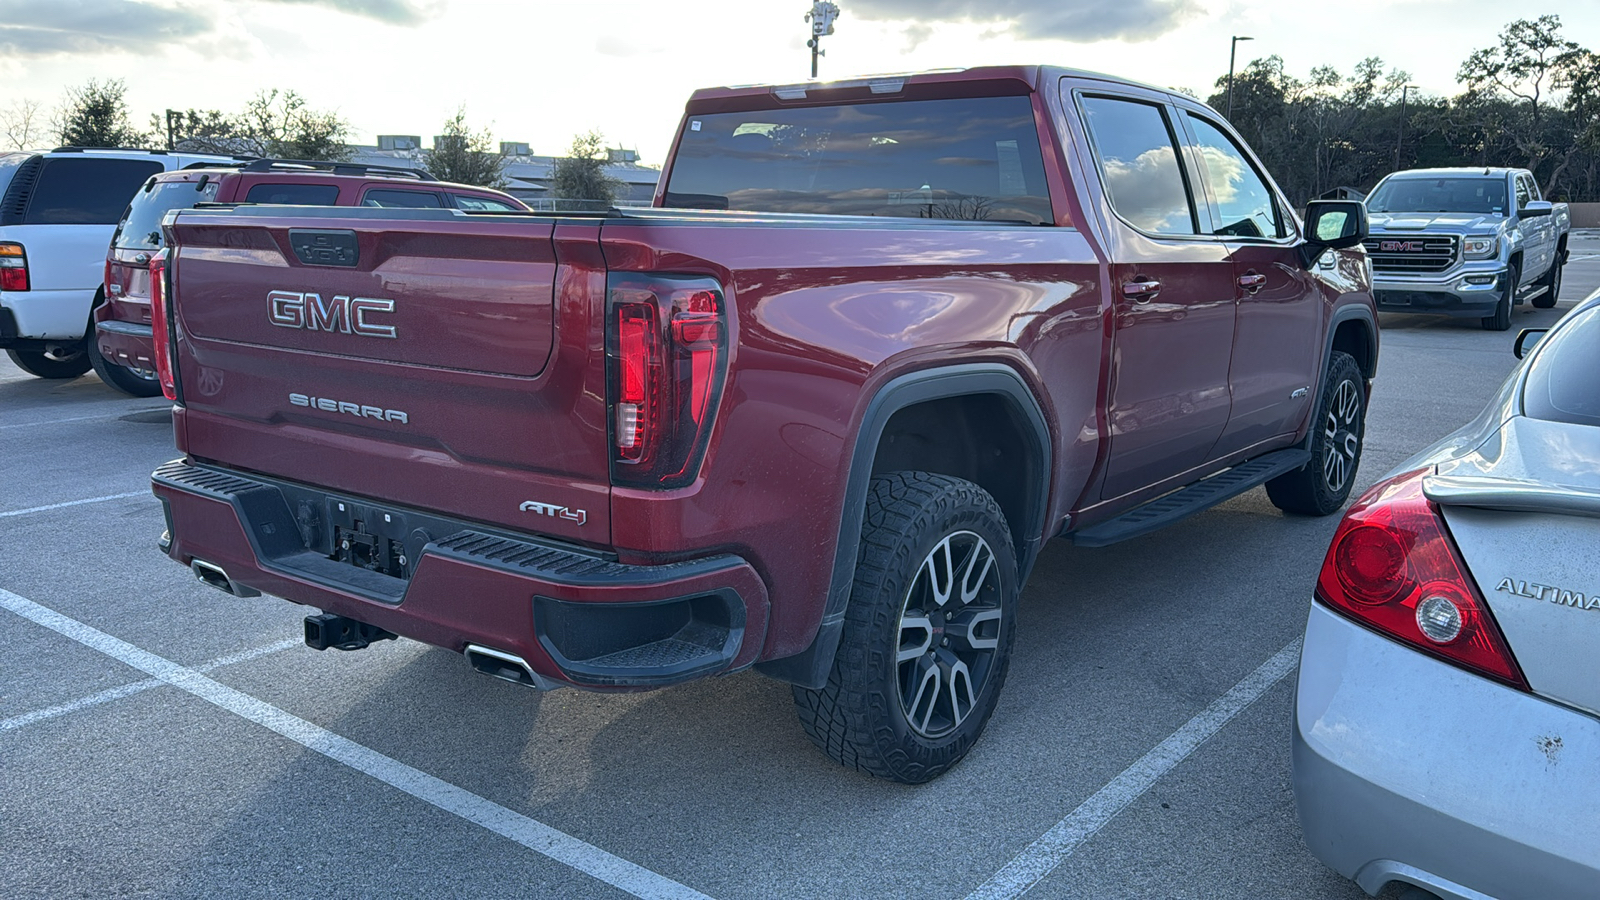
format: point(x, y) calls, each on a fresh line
point(550, 509)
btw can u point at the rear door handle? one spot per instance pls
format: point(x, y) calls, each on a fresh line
point(1252, 281)
point(1142, 291)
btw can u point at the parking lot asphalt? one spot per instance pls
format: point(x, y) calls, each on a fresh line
point(160, 738)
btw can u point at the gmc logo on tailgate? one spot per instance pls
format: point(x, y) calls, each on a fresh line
point(345, 315)
point(1400, 246)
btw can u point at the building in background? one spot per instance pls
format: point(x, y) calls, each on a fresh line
point(528, 173)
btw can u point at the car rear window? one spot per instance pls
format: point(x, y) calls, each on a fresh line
point(402, 199)
point(140, 228)
point(1564, 379)
point(86, 191)
point(974, 159)
point(294, 194)
point(482, 204)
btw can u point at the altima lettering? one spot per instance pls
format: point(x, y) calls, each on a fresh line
point(359, 410)
point(337, 314)
point(1533, 590)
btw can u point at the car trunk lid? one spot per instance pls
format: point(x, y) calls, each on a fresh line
point(1524, 509)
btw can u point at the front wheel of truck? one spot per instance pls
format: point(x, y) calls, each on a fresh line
point(1500, 319)
point(927, 635)
point(1321, 486)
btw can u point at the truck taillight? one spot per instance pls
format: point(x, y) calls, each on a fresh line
point(160, 329)
point(13, 267)
point(667, 345)
point(1393, 567)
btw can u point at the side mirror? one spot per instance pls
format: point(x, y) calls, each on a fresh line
point(1536, 209)
point(1335, 224)
point(1526, 339)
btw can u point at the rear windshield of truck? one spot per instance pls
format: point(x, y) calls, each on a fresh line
point(140, 228)
point(294, 194)
point(1564, 380)
point(970, 159)
point(1437, 195)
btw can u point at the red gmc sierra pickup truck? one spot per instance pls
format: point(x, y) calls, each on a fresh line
point(814, 416)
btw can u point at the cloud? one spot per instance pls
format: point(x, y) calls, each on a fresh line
point(48, 27)
point(1079, 21)
point(391, 12)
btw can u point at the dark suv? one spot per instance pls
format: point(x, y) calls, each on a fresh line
point(121, 347)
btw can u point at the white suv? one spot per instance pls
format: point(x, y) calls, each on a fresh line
point(57, 212)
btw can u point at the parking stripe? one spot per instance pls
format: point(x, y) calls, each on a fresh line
point(37, 509)
point(137, 687)
point(534, 835)
point(1042, 856)
point(115, 415)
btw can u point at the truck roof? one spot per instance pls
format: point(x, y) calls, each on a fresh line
point(1029, 76)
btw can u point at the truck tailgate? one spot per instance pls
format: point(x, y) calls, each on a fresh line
point(404, 355)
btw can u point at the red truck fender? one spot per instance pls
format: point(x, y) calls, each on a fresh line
point(1023, 491)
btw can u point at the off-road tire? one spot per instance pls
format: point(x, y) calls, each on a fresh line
point(52, 364)
point(860, 716)
point(1552, 281)
point(1321, 486)
point(1500, 319)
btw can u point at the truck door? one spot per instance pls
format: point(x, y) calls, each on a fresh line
point(1538, 234)
point(1172, 294)
point(1278, 327)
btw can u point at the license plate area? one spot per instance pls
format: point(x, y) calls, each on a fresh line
point(371, 538)
point(369, 551)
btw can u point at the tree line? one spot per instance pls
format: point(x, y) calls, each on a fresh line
point(283, 125)
point(1530, 101)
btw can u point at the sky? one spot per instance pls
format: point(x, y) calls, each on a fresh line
point(541, 71)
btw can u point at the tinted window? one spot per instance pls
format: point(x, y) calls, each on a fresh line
point(1139, 164)
point(467, 201)
point(974, 158)
point(1475, 195)
point(1241, 202)
point(1522, 192)
point(140, 228)
point(86, 191)
point(1564, 381)
point(294, 194)
point(404, 199)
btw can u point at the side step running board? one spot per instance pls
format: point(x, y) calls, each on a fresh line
point(1197, 497)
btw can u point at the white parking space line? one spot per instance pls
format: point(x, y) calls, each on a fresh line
point(38, 509)
point(1042, 856)
point(115, 415)
point(530, 833)
point(128, 690)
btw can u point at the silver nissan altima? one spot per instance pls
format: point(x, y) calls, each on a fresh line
point(1447, 717)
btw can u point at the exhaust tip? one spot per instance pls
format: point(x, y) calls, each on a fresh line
point(214, 575)
point(505, 666)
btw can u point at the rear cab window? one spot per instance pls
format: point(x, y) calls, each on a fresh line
point(1564, 378)
point(965, 159)
point(292, 194)
point(140, 228)
point(1136, 150)
point(86, 191)
point(476, 203)
point(401, 199)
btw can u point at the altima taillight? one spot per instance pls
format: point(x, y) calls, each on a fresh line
point(667, 345)
point(160, 329)
point(13, 267)
point(1394, 567)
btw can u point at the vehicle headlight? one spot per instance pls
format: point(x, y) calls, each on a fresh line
point(1480, 247)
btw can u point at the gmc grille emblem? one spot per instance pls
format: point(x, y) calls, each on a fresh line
point(1401, 246)
point(341, 314)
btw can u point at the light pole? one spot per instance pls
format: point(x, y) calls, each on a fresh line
point(1233, 48)
point(1401, 142)
point(821, 18)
